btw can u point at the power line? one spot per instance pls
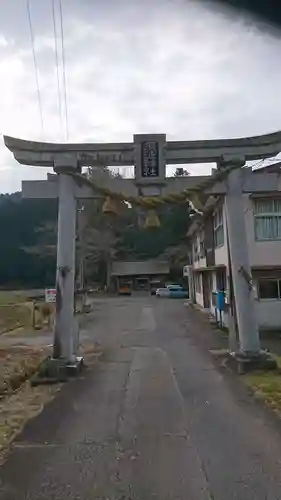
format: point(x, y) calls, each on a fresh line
point(57, 63)
point(63, 69)
point(35, 64)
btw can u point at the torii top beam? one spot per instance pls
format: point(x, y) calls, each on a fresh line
point(122, 154)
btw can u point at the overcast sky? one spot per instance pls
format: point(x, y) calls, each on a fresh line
point(177, 67)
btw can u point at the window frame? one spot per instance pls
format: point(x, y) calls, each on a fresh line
point(262, 215)
point(218, 226)
point(268, 299)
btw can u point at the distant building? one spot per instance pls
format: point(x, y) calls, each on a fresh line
point(140, 274)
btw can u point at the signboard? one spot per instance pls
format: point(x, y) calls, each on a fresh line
point(149, 159)
point(185, 271)
point(50, 295)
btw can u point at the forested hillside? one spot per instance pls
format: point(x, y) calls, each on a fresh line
point(28, 239)
point(19, 223)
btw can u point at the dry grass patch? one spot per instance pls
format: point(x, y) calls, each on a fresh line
point(17, 364)
point(19, 407)
point(19, 401)
point(7, 298)
point(266, 386)
point(13, 316)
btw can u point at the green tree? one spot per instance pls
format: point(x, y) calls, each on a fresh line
point(181, 172)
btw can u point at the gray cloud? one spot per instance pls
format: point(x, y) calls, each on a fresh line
point(178, 67)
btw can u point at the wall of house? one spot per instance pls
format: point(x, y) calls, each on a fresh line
point(199, 299)
point(197, 277)
point(261, 254)
point(221, 256)
point(268, 310)
point(268, 313)
point(213, 289)
point(199, 263)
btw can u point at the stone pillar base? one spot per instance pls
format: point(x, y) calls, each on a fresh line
point(56, 370)
point(244, 362)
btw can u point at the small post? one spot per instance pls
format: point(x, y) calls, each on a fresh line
point(65, 275)
point(241, 270)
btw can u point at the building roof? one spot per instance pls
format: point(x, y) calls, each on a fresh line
point(135, 268)
point(271, 169)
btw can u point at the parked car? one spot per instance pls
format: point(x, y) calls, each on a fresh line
point(162, 292)
point(174, 287)
point(178, 293)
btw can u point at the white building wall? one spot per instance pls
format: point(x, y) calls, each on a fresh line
point(261, 254)
point(214, 286)
point(199, 299)
point(268, 313)
point(198, 289)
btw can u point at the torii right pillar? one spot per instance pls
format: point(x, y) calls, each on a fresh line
point(249, 342)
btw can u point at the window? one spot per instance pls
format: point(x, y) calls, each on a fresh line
point(198, 246)
point(269, 289)
point(221, 279)
point(218, 228)
point(267, 213)
point(201, 245)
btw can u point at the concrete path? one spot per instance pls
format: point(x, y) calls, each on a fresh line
point(154, 420)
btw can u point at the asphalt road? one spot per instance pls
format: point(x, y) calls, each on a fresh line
point(155, 419)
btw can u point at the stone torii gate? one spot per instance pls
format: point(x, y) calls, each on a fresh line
point(149, 154)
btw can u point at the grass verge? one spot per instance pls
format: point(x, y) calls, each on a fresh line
point(19, 401)
point(15, 315)
point(266, 386)
point(19, 407)
point(17, 364)
point(8, 298)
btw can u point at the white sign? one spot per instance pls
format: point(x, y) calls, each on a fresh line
point(186, 271)
point(50, 295)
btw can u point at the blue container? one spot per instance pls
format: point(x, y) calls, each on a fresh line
point(220, 301)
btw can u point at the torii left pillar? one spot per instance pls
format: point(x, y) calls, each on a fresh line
point(65, 324)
